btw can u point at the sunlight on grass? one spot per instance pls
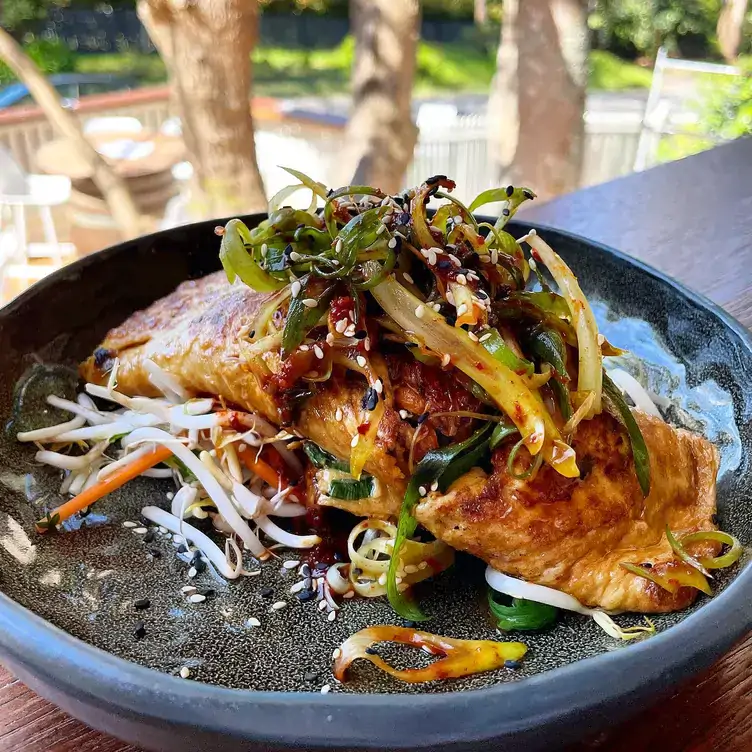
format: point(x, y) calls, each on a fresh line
point(441, 69)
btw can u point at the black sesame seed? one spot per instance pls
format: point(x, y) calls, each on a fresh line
point(339, 556)
point(252, 334)
point(444, 264)
point(403, 219)
point(408, 624)
point(206, 592)
point(102, 356)
point(310, 676)
point(422, 419)
point(84, 512)
point(182, 549)
point(139, 630)
point(714, 519)
point(321, 566)
point(362, 334)
point(142, 603)
point(481, 293)
point(528, 194)
point(451, 319)
point(305, 570)
point(370, 399)
point(512, 664)
point(510, 191)
point(196, 557)
point(149, 537)
point(305, 595)
point(505, 212)
point(156, 553)
point(372, 651)
point(266, 592)
point(647, 565)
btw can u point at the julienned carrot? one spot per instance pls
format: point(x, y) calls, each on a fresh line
point(261, 468)
point(98, 490)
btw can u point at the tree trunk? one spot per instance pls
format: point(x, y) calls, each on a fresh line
point(206, 46)
point(381, 134)
point(480, 12)
point(537, 100)
point(112, 186)
point(729, 29)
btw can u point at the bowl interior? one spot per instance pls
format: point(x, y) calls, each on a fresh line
point(86, 581)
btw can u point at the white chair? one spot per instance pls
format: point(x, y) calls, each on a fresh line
point(119, 124)
point(20, 191)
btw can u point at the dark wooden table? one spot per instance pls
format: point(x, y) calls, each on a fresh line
point(692, 219)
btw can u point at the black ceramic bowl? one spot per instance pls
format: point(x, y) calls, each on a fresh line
point(66, 610)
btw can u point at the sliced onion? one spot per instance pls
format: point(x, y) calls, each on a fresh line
point(336, 581)
point(579, 415)
point(205, 544)
point(590, 372)
point(630, 386)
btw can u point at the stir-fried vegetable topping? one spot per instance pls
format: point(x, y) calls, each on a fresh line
point(459, 657)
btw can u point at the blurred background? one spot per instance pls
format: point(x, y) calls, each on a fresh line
point(119, 118)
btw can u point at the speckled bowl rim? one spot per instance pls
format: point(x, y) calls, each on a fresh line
point(394, 721)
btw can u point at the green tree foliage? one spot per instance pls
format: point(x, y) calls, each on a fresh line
point(640, 27)
point(727, 113)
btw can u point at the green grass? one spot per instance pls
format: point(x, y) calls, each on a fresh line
point(441, 69)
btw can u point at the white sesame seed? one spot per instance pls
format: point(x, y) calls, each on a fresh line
point(304, 348)
point(410, 569)
point(432, 258)
point(473, 337)
point(423, 565)
point(337, 653)
point(355, 440)
point(422, 490)
point(420, 310)
point(253, 622)
point(382, 579)
point(450, 297)
point(140, 530)
point(196, 598)
point(349, 594)
point(322, 605)
point(185, 672)
point(292, 564)
point(484, 257)
point(404, 414)
point(128, 523)
point(295, 256)
point(341, 325)
point(188, 589)
point(350, 331)
point(163, 530)
point(458, 219)
point(454, 260)
point(338, 245)
point(264, 249)
point(295, 288)
point(436, 307)
point(331, 616)
point(310, 302)
point(392, 242)
point(297, 587)
point(434, 485)
point(192, 572)
point(367, 344)
point(338, 413)
point(378, 385)
point(486, 337)
point(424, 252)
point(362, 362)
point(318, 352)
point(408, 278)
point(326, 688)
point(178, 538)
point(462, 279)
point(494, 256)
point(446, 359)
point(279, 605)
point(380, 229)
point(462, 309)
point(329, 339)
point(169, 496)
